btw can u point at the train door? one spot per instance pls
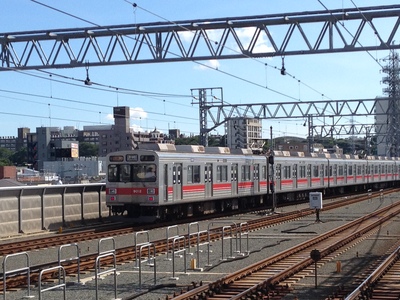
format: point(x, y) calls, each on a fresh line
point(322, 174)
point(363, 173)
point(234, 179)
point(208, 180)
point(294, 176)
point(177, 181)
point(278, 181)
point(385, 171)
point(334, 174)
point(165, 183)
point(308, 172)
point(256, 178)
point(330, 174)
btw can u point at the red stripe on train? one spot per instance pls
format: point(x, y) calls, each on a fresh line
point(133, 191)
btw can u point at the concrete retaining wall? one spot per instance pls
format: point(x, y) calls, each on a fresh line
point(29, 209)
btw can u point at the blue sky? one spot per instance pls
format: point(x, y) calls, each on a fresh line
point(33, 102)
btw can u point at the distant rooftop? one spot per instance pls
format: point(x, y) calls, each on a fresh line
point(9, 182)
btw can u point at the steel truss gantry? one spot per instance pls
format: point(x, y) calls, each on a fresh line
point(219, 112)
point(340, 30)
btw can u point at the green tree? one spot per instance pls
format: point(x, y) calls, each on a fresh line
point(192, 140)
point(20, 158)
point(88, 149)
point(5, 156)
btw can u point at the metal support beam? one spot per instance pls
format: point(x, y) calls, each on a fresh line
point(296, 33)
point(206, 98)
point(392, 70)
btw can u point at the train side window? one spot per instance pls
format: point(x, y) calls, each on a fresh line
point(350, 170)
point(326, 172)
point(193, 174)
point(190, 174)
point(340, 171)
point(286, 172)
point(224, 173)
point(219, 173)
point(302, 172)
point(248, 175)
point(315, 171)
point(196, 174)
point(264, 172)
point(245, 173)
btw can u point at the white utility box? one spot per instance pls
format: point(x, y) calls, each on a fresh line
point(316, 200)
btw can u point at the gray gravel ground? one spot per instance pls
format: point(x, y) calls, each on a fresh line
point(262, 244)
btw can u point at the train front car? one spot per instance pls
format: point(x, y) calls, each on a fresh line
point(132, 183)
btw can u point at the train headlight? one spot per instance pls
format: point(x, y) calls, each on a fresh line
point(151, 191)
point(112, 191)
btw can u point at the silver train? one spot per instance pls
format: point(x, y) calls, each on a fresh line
point(169, 181)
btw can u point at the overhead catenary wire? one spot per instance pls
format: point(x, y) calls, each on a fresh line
point(86, 103)
point(371, 25)
point(344, 27)
point(234, 50)
point(282, 70)
point(197, 62)
point(124, 91)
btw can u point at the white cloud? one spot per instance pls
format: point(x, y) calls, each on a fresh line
point(246, 34)
point(137, 128)
point(213, 64)
point(138, 113)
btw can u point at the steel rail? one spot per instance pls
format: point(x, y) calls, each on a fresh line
point(275, 269)
point(128, 253)
point(378, 280)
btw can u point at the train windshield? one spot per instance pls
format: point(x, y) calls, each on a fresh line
point(145, 172)
point(132, 173)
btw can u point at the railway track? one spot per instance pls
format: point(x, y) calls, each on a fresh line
point(111, 230)
point(128, 253)
point(380, 285)
point(267, 278)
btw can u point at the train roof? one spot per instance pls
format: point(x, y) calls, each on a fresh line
point(158, 147)
point(193, 149)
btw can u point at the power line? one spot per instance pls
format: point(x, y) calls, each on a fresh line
point(120, 89)
point(344, 27)
point(234, 50)
point(204, 65)
point(88, 103)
